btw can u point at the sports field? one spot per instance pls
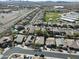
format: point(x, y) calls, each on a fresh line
point(52, 16)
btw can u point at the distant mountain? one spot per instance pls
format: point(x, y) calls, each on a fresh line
point(42, 3)
point(20, 3)
point(62, 2)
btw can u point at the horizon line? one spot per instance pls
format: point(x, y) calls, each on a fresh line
point(43, 1)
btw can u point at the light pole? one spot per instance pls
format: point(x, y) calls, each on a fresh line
point(19, 8)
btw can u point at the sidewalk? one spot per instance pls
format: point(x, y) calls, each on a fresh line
point(25, 47)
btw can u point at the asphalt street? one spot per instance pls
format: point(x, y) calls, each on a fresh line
point(33, 52)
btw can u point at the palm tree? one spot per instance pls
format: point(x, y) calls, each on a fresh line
point(34, 40)
point(27, 33)
point(45, 34)
point(13, 38)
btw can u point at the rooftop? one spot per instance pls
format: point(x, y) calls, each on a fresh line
point(19, 38)
point(71, 16)
point(7, 38)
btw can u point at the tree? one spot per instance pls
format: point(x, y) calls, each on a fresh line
point(45, 34)
point(39, 32)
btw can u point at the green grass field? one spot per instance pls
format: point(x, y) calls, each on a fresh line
point(52, 16)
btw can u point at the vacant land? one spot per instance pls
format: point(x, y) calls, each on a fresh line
point(8, 17)
point(52, 16)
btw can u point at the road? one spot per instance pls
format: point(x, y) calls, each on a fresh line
point(32, 52)
point(36, 17)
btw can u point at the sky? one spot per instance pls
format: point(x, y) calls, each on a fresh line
point(46, 0)
point(55, 0)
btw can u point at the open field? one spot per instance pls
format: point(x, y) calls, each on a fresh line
point(52, 16)
point(7, 17)
point(10, 19)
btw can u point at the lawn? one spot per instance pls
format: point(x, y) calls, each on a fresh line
point(52, 16)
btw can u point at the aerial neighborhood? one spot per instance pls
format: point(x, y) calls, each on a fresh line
point(39, 31)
